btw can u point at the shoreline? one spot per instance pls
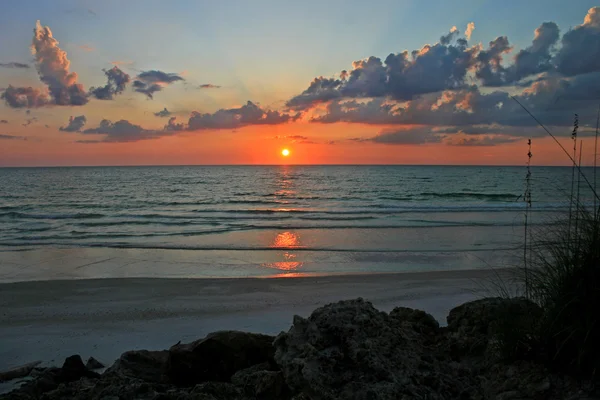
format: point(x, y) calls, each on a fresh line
point(51, 320)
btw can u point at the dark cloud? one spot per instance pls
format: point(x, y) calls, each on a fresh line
point(3, 121)
point(12, 137)
point(30, 121)
point(117, 82)
point(209, 86)
point(553, 101)
point(150, 82)
point(580, 51)
point(19, 97)
point(122, 131)
point(428, 135)
point(14, 65)
point(224, 119)
point(452, 35)
point(401, 76)
point(163, 113)
point(172, 126)
point(248, 114)
point(408, 136)
point(535, 59)
point(485, 140)
point(489, 62)
point(75, 124)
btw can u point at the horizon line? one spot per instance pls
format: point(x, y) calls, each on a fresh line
point(281, 165)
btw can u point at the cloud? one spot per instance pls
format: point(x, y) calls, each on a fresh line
point(209, 86)
point(552, 100)
point(580, 51)
point(429, 135)
point(149, 82)
point(224, 119)
point(75, 124)
point(86, 47)
point(453, 34)
point(248, 114)
point(489, 62)
point(121, 131)
point(53, 67)
point(469, 30)
point(12, 137)
point(535, 59)
point(3, 121)
point(19, 97)
point(14, 65)
point(172, 126)
point(484, 140)
point(408, 136)
point(163, 113)
point(30, 121)
point(402, 76)
point(117, 82)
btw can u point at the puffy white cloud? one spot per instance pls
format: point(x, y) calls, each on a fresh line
point(54, 69)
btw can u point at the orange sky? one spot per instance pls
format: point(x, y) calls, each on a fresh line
point(263, 144)
point(446, 90)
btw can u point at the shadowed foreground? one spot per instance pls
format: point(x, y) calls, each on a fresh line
point(345, 350)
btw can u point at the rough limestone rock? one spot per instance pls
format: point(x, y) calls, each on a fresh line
point(349, 350)
point(262, 383)
point(93, 364)
point(474, 325)
point(74, 369)
point(217, 357)
point(418, 320)
point(145, 365)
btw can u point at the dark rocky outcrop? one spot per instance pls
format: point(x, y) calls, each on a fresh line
point(74, 369)
point(345, 350)
point(350, 350)
point(475, 325)
point(217, 357)
point(93, 364)
point(145, 365)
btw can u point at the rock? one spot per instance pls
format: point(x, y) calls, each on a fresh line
point(476, 324)
point(18, 372)
point(511, 395)
point(217, 357)
point(350, 350)
point(145, 365)
point(261, 383)
point(416, 319)
point(92, 364)
point(74, 369)
point(216, 390)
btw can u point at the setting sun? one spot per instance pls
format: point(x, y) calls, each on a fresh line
point(285, 152)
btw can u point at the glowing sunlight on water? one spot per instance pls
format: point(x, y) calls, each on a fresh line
point(286, 240)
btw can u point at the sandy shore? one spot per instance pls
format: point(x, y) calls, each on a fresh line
point(50, 320)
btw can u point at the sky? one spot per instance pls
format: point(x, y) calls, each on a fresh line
point(148, 82)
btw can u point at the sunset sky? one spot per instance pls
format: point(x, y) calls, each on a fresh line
point(335, 82)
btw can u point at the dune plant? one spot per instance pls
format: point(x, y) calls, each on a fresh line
point(561, 274)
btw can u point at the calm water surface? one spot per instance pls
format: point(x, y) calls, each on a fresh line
point(282, 218)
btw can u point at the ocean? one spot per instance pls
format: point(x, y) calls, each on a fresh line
point(230, 221)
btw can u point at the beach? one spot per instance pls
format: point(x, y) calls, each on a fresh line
point(50, 320)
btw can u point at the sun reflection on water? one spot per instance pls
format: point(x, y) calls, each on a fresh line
point(286, 240)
